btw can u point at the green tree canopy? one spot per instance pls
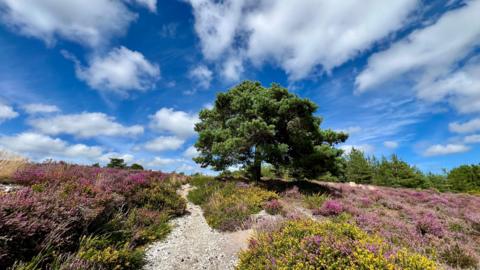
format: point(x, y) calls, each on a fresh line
point(117, 163)
point(136, 166)
point(359, 168)
point(396, 172)
point(464, 178)
point(251, 124)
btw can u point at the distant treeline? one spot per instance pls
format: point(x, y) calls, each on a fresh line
point(394, 172)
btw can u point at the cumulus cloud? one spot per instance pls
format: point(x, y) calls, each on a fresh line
point(35, 108)
point(439, 149)
point(351, 130)
point(105, 158)
point(201, 75)
point(431, 57)
point(178, 123)
point(36, 146)
point(191, 152)
point(390, 144)
point(164, 143)
point(7, 112)
point(91, 24)
point(297, 35)
point(466, 127)
point(120, 71)
point(84, 125)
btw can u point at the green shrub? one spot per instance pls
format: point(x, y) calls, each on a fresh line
point(204, 188)
point(306, 244)
point(160, 197)
point(314, 201)
point(100, 251)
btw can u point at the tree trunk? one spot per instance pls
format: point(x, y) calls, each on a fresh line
point(257, 167)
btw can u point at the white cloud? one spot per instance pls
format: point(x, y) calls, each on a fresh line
point(161, 161)
point(201, 75)
point(366, 148)
point(120, 71)
point(439, 149)
point(42, 146)
point(472, 138)
point(232, 69)
point(164, 143)
point(84, 125)
point(7, 112)
point(91, 24)
point(191, 152)
point(390, 144)
point(35, 108)
point(179, 123)
point(150, 4)
point(297, 35)
point(430, 56)
point(467, 127)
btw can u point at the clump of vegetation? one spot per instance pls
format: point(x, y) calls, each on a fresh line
point(315, 201)
point(273, 207)
point(306, 244)
point(113, 211)
point(228, 205)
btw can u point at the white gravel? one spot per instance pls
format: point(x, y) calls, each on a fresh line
point(192, 244)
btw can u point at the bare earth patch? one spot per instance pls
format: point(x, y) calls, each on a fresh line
point(192, 244)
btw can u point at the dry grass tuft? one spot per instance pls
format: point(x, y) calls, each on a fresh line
point(9, 164)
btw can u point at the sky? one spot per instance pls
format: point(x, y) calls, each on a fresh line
point(84, 81)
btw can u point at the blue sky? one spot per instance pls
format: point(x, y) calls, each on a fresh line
point(85, 82)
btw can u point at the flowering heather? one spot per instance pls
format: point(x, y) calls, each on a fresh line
point(60, 203)
point(444, 226)
point(273, 207)
point(329, 208)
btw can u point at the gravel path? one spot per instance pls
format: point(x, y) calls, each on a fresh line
point(192, 244)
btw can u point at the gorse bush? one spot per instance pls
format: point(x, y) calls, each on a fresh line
point(306, 244)
point(63, 203)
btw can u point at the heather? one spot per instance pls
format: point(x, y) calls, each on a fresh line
point(67, 215)
point(443, 226)
point(228, 206)
point(307, 244)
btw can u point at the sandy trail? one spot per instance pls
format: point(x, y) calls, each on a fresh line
point(192, 244)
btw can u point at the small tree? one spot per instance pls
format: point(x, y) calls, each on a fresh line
point(250, 125)
point(117, 163)
point(136, 166)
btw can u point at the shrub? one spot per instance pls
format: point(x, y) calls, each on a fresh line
point(330, 208)
point(316, 200)
point(273, 207)
point(100, 251)
point(227, 205)
point(429, 223)
point(306, 244)
point(455, 256)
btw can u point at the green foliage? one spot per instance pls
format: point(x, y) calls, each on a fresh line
point(464, 178)
point(227, 205)
point(160, 197)
point(359, 168)
point(251, 124)
point(306, 244)
point(102, 252)
point(457, 257)
point(314, 201)
point(117, 163)
point(396, 172)
point(136, 166)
